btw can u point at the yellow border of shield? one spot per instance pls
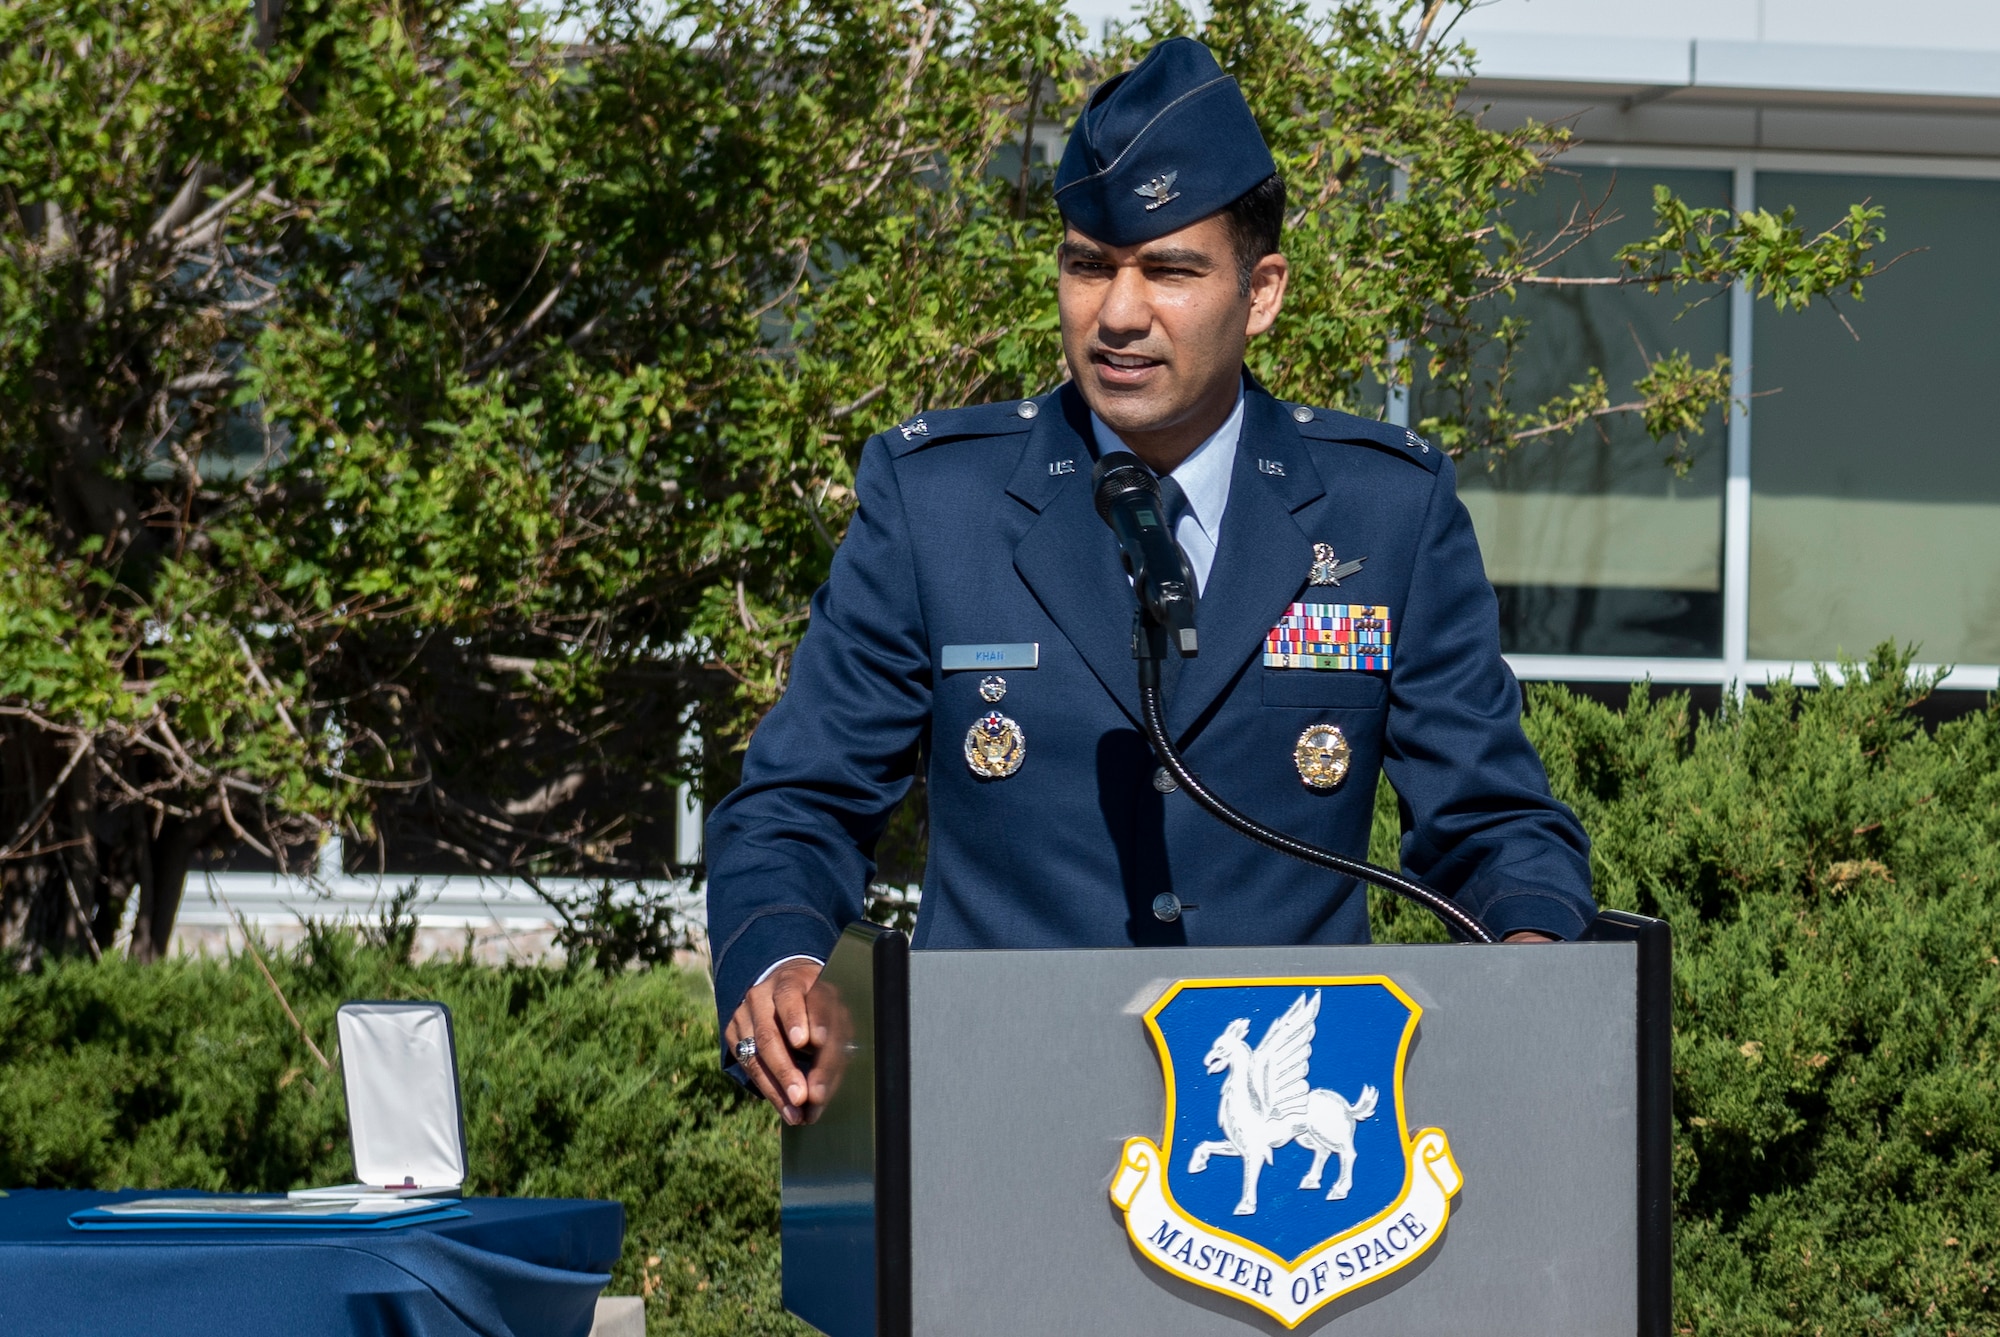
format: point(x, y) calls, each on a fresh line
point(1402, 1114)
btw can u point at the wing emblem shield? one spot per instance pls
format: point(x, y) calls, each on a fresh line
point(1287, 1176)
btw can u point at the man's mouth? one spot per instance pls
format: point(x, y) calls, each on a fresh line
point(1124, 368)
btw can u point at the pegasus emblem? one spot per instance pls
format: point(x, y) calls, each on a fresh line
point(1267, 1103)
point(1279, 1107)
point(1160, 190)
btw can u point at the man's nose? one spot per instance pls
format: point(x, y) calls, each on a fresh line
point(1126, 310)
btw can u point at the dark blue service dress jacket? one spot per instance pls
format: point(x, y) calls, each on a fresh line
point(975, 526)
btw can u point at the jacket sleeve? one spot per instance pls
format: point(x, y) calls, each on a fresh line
point(791, 849)
point(1479, 821)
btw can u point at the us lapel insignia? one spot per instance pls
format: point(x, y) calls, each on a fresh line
point(1331, 636)
point(1327, 569)
point(1200, 1204)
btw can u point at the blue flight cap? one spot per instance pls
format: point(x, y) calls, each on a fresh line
point(1163, 145)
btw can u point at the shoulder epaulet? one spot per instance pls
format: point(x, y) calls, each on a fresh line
point(1333, 425)
point(933, 426)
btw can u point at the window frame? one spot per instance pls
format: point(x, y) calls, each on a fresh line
point(1736, 669)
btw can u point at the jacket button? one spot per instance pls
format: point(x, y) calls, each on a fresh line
point(1164, 782)
point(1028, 408)
point(1166, 907)
point(1302, 414)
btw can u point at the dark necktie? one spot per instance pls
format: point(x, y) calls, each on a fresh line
point(1174, 499)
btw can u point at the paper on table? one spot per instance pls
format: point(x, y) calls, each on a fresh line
point(370, 1205)
point(348, 1192)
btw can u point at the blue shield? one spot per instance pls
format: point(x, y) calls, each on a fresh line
point(1302, 1080)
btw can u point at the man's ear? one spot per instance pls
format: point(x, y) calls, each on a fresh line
point(1267, 293)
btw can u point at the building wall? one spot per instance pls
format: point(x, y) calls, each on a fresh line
point(1942, 24)
point(1951, 24)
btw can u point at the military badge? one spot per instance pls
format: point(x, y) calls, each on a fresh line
point(1330, 636)
point(1321, 756)
point(995, 746)
point(1328, 569)
point(1160, 190)
point(1235, 1197)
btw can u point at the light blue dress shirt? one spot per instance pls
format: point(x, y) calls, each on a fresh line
point(1204, 479)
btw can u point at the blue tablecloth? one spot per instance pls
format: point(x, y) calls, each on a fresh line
point(514, 1267)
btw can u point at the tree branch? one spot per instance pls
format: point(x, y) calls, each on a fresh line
point(33, 820)
point(271, 980)
point(533, 318)
point(182, 206)
point(1431, 12)
point(867, 397)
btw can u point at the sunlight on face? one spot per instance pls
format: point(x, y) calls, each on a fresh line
point(1155, 333)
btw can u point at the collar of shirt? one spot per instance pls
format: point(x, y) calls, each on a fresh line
point(1204, 478)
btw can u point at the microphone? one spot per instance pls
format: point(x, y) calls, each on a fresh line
point(1127, 497)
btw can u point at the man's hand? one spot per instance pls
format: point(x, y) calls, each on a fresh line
point(1527, 935)
point(773, 1014)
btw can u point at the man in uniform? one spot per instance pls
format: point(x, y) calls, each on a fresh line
point(978, 623)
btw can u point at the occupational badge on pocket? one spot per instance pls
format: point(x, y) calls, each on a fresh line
point(1328, 569)
point(1322, 756)
point(995, 746)
point(1330, 636)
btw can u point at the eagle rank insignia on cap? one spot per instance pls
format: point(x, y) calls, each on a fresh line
point(1160, 190)
point(995, 746)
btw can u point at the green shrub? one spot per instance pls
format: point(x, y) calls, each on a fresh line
point(1829, 868)
point(187, 1074)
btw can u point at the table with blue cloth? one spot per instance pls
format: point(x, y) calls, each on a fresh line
point(510, 1267)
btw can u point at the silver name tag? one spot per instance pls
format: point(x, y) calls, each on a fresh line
point(964, 658)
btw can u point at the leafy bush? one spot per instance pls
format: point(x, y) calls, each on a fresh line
point(1828, 865)
point(1830, 871)
point(187, 1074)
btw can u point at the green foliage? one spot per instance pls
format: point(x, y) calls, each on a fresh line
point(187, 1074)
point(434, 419)
point(1792, 270)
point(1830, 871)
point(1829, 868)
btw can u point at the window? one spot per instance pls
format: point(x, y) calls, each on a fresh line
point(1875, 470)
point(1594, 545)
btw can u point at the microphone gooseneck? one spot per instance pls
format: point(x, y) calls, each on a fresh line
point(1127, 497)
point(1454, 915)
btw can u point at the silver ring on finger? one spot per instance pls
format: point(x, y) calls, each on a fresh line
point(746, 1048)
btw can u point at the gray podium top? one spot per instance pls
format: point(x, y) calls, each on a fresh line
point(1027, 1072)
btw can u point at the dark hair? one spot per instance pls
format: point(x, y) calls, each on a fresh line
point(1256, 220)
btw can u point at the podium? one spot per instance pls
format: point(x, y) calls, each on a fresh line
point(960, 1181)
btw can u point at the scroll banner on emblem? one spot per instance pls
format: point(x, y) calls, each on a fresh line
point(1286, 1176)
point(1289, 1293)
